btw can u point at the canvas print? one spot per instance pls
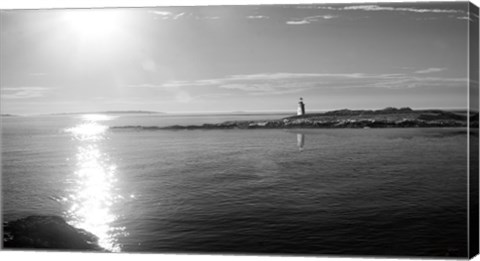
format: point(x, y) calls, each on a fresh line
point(288, 129)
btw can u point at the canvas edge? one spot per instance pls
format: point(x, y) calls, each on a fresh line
point(473, 85)
point(473, 172)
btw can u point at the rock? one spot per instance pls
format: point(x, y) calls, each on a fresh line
point(47, 232)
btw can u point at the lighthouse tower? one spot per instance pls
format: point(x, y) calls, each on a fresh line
point(301, 107)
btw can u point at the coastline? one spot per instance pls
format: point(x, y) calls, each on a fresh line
point(47, 232)
point(385, 118)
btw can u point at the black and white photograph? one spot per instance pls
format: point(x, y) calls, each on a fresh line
point(289, 129)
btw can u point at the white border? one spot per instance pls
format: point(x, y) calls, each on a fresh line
point(35, 4)
point(50, 256)
point(469, 137)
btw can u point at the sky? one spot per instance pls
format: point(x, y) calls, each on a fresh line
point(235, 58)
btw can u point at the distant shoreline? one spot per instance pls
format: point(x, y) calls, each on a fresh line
point(109, 112)
point(386, 118)
point(223, 113)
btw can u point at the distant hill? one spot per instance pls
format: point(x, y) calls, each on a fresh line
point(132, 112)
point(110, 112)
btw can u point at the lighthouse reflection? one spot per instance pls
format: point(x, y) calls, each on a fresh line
point(300, 141)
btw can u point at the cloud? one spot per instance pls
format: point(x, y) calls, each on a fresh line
point(166, 15)
point(288, 83)
point(375, 8)
point(316, 7)
point(257, 17)
point(469, 16)
point(162, 14)
point(430, 70)
point(381, 8)
point(175, 17)
point(144, 85)
point(285, 83)
point(310, 19)
point(176, 84)
point(398, 9)
point(269, 88)
point(23, 92)
point(463, 18)
point(298, 22)
point(329, 16)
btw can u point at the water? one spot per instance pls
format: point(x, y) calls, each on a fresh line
point(326, 191)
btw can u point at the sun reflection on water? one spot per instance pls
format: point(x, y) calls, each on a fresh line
point(94, 192)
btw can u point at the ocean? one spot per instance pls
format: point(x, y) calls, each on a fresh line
point(390, 192)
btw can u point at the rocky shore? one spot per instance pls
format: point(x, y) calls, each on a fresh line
point(47, 232)
point(386, 118)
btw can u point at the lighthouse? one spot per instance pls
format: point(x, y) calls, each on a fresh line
point(301, 107)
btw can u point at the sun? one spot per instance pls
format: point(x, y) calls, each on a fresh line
point(93, 24)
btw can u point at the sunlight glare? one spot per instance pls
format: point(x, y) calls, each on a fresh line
point(93, 193)
point(93, 24)
point(88, 131)
point(96, 117)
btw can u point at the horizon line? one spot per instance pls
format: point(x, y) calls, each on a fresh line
point(221, 112)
